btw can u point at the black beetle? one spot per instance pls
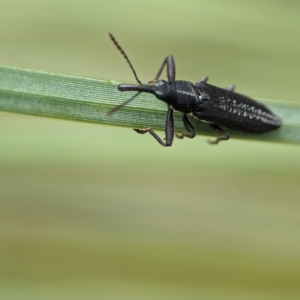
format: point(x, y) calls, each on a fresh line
point(205, 102)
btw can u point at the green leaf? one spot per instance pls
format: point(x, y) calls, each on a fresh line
point(88, 100)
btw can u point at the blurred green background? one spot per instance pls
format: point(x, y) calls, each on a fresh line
point(96, 212)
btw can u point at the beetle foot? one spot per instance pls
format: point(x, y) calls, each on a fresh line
point(203, 80)
point(180, 135)
point(214, 142)
point(153, 81)
point(142, 131)
point(230, 88)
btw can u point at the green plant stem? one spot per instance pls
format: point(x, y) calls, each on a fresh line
point(88, 100)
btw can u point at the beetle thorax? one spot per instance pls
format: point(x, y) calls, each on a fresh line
point(178, 94)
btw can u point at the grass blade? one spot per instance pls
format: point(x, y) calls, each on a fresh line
point(88, 100)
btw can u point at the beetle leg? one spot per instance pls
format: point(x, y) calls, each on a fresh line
point(223, 135)
point(230, 88)
point(189, 127)
point(202, 80)
point(169, 130)
point(170, 63)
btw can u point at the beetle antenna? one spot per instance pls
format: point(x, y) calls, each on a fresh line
point(125, 56)
point(112, 111)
